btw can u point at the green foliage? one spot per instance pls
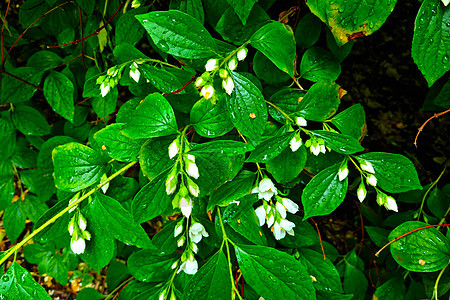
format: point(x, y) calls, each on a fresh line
point(158, 144)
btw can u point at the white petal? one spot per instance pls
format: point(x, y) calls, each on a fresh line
point(207, 91)
point(367, 166)
point(343, 173)
point(242, 54)
point(178, 229)
point(70, 228)
point(290, 205)
point(295, 143)
point(261, 214)
point(301, 121)
point(186, 206)
point(78, 246)
point(199, 82)
point(104, 89)
point(446, 2)
point(191, 267)
point(173, 149)
point(270, 221)
point(228, 85)
point(265, 195)
point(192, 169)
point(372, 180)
point(211, 65)
point(135, 74)
point(281, 209)
point(278, 232)
point(191, 157)
point(287, 225)
point(323, 149)
point(82, 223)
point(362, 192)
point(291, 232)
point(315, 150)
point(232, 64)
point(391, 204)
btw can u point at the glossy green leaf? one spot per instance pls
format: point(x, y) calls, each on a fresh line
point(431, 44)
point(242, 8)
point(56, 230)
point(77, 167)
point(267, 71)
point(211, 281)
point(230, 148)
point(270, 148)
point(178, 34)
point(8, 136)
point(324, 193)
point(15, 91)
point(247, 107)
point(341, 143)
point(277, 42)
point(162, 79)
point(151, 200)
point(154, 156)
point(44, 60)
point(103, 106)
point(319, 64)
point(287, 100)
point(425, 250)
point(211, 119)
point(341, 52)
point(308, 31)
point(392, 289)
point(274, 274)
point(7, 188)
point(351, 121)
point(58, 91)
point(117, 272)
point(128, 29)
point(351, 19)
point(355, 282)
point(153, 117)
point(190, 7)
point(145, 266)
point(287, 165)
point(438, 203)
point(164, 240)
point(378, 235)
point(112, 215)
point(14, 220)
point(304, 234)
point(89, 294)
point(29, 121)
point(116, 145)
point(17, 283)
point(394, 172)
point(320, 102)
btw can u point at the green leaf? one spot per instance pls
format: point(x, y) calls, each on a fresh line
point(154, 156)
point(325, 273)
point(425, 250)
point(44, 60)
point(319, 64)
point(112, 215)
point(392, 289)
point(351, 19)
point(394, 172)
point(240, 186)
point(14, 220)
point(8, 137)
point(270, 148)
point(128, 29)
point(308, 31)
point(164, 240)
point(15, 91)
point(145, 266)
point(267, 71)
point(274, 274)
point(162, 79)
point(431, 44)
point(341, 143)
point(151, 200)
point(103, 106)
point(210, 119)
point(178, 34)
point(89, 294)
point(277, 42)
point(24, 157)
point(124, 53)
point(351, 121)
point(247, 107)
point(33, 207)
point(117, 272)
point(305, 235)
point(87, 6)
point(320, 102)
point(191, 7)
point(152, 118)
point(7, 188)
point(17, 283)
point(77, 167)
point(287, 165)
point(58, 91)
point(230, 148)
point(211, 281)
point(324, 193)
point(29, 121)
point(242, 8)
point(438, 203)
point(116, 145)
point(56, 230)
point(50, 261)
point(378, 235)
point(355, 282)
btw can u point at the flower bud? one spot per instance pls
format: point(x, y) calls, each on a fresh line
point(70, 228)
point(390, 204)
point(186, 206)
point(381, 198)
point(361, 192)
point(371, 180)
point(104, 88)
point(74, 199)
point(212, 65)
point(242, 54)
point(178, 229)
point(295, 143)
point(207, 91)
point(162, 296)
point(181, 240)
point(223, 73)
point(106, 185)
point(301, 121)
point(193, 187)
point(135, 74)
point(174, 148)
point(77, 244)
point(192, 169)
point(343, 172)
point(232, 64)
point(367, 166)
point(228, 85)
point(200, 82)
point(171, 183)
point(82, 222)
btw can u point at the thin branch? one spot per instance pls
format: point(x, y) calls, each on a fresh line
point(3, 27)
point(81, 32)
point(429, 119)
point(97, 31)
point(320, 238)
point(22, 80)
point(182, 88)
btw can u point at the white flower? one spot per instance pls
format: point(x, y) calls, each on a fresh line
point(228, 85)
point(193, 188)
point(77, 245)
point(173, 148)
point(281, 209)
point(207, 91)
point(372, 180)
point(171, 184)
point(199, 82)
point(301, 121)
point(180, 241)
point(73, 200)
point(174, 265)
point(343, 172)
point(104, 89)
point(290, 205)
point(280, 229)
point(232, 64)
point(367, 166)
point(189, 266)
point(223, 73)
point(191, 157)
point(242, 54)
point(178, 229)
point(194, 247)
point(445, 2)
point(186, 206)
point(196, 232)
point(211, 65)
point(266, 189)
point(192, 169)
point(261, 214)
point(315, 149)
point(70, 228)
point(323, 149)
point(361, 192)
point(162, 296)
point(295, 143)
point(390, 204)
point(271, 219)
point(82, 222)
point(135, 74)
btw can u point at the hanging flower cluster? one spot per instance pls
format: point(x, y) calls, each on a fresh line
point(77, 230)
point(273, 211)
point(113, 74)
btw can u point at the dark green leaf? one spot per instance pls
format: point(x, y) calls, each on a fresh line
point(230, 148)
point(56, 230)
point(355, 282)
point(242, 8)
point(24, 156)
point(89, 294)
point(164, 240)
point(270, 148)
point(162, 79)
point(144, 265)
point(8, 137)
point(276, 42)
point(117, 272)
point(29, 121)
point(425, 250)
point(58, 91)
point(191, 7)
point(305, 235)
point(438, 203)
point(154, 156)
point(378, 235)
point(87, 6)
point(152, 118)
point(392, 289)
point(6, 183)
point(125, 52)
point(340, 143)
point(274, 274)
point(267, 71)
point(44, 60)
point(210, 119)
point(324, 193)
point(15, 91)
point(103, 106)
point(394, 172)
point(14, 220)
point(287, 165)
point(178, 34)
point(319, 64)
point(308, 31)
point(320, 102)
point(351, 121)
point(128, 29)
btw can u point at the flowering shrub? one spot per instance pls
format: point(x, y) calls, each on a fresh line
point(225, 128)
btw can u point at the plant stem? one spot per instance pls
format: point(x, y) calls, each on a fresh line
point(428, 191)
point(61, 213)
point(282, 112)
point(435, 289)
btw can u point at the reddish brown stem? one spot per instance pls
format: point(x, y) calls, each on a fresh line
point(320, 238)
point(182, 88)
point(429, 119)
point(22, 80)
point(3, 27)
point(95, 32)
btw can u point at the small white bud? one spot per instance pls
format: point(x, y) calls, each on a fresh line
point(174, 265)
point(390, 204)
point(301, 121)
point(77, 245)
point(162, 296)
point(82, 222)
point(228, 85)
point(445, 2)
point(242, 54)
point(232, 64)
point(193, 188)
point(323, 149)
point(178, 229)
point(372, 180)
point(192, 169)
point(367, 166)
point(180, 241)
point(135, 74)
point(104, 89)
point(199, 82)
point(207, 91)
point(315, 149)
point(173, 148)
point(171, 184)
point(211, 65)
point(74, 199)
point(223, 73)
point(361, 192)
point(186, 206)
point(343, 172)
point(295, 143)
point(70, 228)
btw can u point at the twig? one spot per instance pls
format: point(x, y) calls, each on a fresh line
point(320, 238)
point(3, 27)
point(81, 33)
point(182, 88)
point(429, 119)
point(97, 31)
point(22, 80)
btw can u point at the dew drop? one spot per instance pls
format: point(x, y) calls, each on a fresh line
point(342, 9)
point(371, 12)
point(445, 59)
point(422, 20)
